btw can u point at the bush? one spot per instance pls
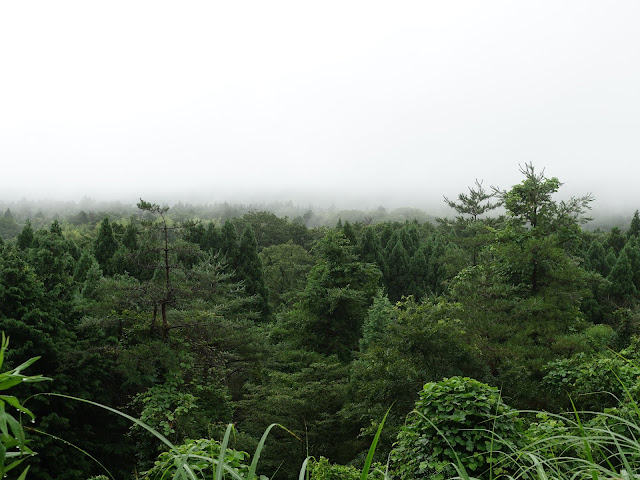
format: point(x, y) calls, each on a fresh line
point(457, 421)
point(323, 470)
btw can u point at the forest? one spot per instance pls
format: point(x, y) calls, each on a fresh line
point(459, 340)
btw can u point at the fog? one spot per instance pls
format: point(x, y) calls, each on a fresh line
point(332, 103)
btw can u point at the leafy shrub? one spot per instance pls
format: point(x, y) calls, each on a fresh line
point(323, 470)
point(457, 421)
point(13, 447)
point(202, 459)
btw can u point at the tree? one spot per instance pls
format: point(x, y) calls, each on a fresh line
point(25, 238)
point(250, 271)
point(470, 231)
point(105, 245)
point(634, 227)
point(370, 250)
point(476, 203)
point(615, 240)
point(622, 288)
point(337, 295)
point(530, 204)
point(407, 345)
point(285, 273)
point(398, 268)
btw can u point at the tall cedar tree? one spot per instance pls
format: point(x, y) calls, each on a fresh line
point(250, 270)
point(105, 245)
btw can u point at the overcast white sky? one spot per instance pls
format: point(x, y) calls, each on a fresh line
point(396, 102)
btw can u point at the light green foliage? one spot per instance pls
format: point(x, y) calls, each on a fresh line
point(322, 469)
point(379, 316)
point(595, 382)
point(202, 455)
point(457, 421)
point(13, 443)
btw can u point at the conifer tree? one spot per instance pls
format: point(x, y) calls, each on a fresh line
point(105, 245)
point(622, 287)
point(418, 273)
point(596, 259)
point(369, 248)
point(349, 233)
point(229, 244)
point(130, 237)
point(634, 227)
point(398, 268)
point(212, 239)
point(25, 237)
point(250, 270)
point(615, 240)
point(633, 252)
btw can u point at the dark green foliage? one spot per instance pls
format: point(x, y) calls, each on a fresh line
point(105, 246)
point(349, 233)
point(249, 270)
point(634, 227)
point(9, 228)
point(370, 250)
point(596, 259)
point(285, 273)
point(130, 237)
point(457, 421)
point(25, 238)
point(407, 345)
point(621, 285)
point(398, 274)
point(229, 244)
point(271, 230)
point(303, 390)
point(615, 240)
point(338, 292)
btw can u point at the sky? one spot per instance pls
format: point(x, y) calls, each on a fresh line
point(393, 103)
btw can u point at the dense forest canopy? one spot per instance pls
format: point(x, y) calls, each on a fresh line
point(191, 317)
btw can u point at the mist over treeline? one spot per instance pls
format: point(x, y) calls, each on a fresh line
point(87, 211)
